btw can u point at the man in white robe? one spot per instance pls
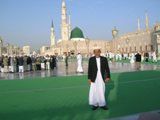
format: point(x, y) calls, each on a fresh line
point(48, 62)
point(132, 58)
point(79, 63)
point(11, 64)
point(98, 75)
point(154, 56)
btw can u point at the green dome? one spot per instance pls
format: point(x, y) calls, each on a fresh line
point(76, 33)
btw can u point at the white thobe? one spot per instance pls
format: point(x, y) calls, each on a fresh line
point(154, 57)
point(48, 63)
point(21, 69)
point(79, 63)
point(132, 59)
point(11, 67)
point(97, 89)
point(43, 66)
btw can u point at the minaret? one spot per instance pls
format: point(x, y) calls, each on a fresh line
point(147, 29)
point(64, 27)
point(69, 26)
point(52, 37)
point(139, 28)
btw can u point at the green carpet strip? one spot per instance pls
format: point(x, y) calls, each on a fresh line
point(66, 98)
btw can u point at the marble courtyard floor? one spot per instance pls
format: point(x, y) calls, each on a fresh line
point(62, 71)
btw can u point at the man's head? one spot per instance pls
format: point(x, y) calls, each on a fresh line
point(97, 52)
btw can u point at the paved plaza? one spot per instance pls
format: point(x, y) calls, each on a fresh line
point(71, 70)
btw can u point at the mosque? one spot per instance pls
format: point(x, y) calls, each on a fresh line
point(73, 41)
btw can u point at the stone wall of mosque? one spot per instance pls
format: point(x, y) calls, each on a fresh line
point(134, 42)
point(85, 47)
point(156, 37)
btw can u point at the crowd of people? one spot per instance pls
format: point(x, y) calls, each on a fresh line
point(27, 63)
point(145, 56)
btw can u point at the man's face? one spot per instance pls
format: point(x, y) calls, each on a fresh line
point(97, 52)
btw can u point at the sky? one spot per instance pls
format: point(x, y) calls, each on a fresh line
point(28, 22)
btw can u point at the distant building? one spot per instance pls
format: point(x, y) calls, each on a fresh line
point(142, 40)
point(9, 49)
point(44, 49)
point(26, 50)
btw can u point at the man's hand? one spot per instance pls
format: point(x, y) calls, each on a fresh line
point(89, 82)
point(107, 79)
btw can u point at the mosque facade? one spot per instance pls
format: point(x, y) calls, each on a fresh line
point(73, 41)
